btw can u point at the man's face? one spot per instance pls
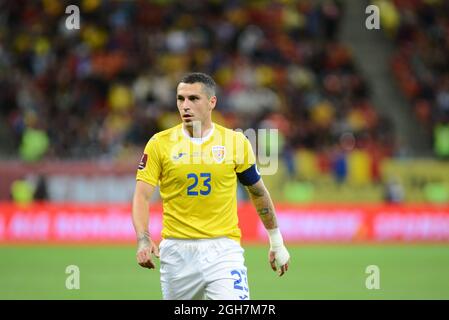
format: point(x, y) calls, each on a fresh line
point(193, 103)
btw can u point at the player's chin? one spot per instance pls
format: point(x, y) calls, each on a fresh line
point(188, 122)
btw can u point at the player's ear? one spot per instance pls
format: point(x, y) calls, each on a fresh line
point(212, 102)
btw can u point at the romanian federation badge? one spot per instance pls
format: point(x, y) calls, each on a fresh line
point(218, 153)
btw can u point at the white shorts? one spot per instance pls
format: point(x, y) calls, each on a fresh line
point(211, 269)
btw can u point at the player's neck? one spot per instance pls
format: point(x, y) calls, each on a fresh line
point(198, 131)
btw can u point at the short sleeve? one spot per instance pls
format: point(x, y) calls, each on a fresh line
point(150, 165)
point(244, 157)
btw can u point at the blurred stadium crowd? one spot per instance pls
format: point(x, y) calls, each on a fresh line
point(102, 90)
point(421, 64)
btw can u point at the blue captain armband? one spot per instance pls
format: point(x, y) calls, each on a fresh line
point(250, 176)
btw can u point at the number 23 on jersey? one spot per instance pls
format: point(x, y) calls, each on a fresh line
point(199, 185)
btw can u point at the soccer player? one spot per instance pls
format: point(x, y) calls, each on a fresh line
point(197, 164)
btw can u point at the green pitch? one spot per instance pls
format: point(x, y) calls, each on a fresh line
point(316, 272)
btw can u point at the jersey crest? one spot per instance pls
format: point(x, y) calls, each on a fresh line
point(218, 153)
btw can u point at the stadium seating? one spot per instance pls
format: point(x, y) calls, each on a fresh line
point(421, 64)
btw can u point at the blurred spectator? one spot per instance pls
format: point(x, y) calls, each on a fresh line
point(22, 191)
point(393, 191)
point(34, 144)
point(441, 138)
point(339, 165)
point(40, 191)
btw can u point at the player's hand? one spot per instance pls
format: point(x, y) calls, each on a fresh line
point(144, 254)
point(279, 259)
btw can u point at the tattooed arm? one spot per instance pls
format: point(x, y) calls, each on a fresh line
point(140, 214)
point(278, 255)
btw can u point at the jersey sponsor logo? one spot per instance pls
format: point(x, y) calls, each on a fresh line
point(178, 156)
point(143, 161)
point(218, 152)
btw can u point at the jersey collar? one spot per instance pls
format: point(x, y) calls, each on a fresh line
point(198, 140)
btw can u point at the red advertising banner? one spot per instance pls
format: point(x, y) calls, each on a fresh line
point(106, 223)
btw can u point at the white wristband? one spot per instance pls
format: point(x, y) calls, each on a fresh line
point(275, 236)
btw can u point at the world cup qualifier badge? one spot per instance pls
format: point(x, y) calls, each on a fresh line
point(218, 153)
point(143, 161)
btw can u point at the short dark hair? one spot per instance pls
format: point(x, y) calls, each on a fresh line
point(206, 80)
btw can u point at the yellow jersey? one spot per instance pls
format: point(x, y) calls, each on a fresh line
point(198, 180)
